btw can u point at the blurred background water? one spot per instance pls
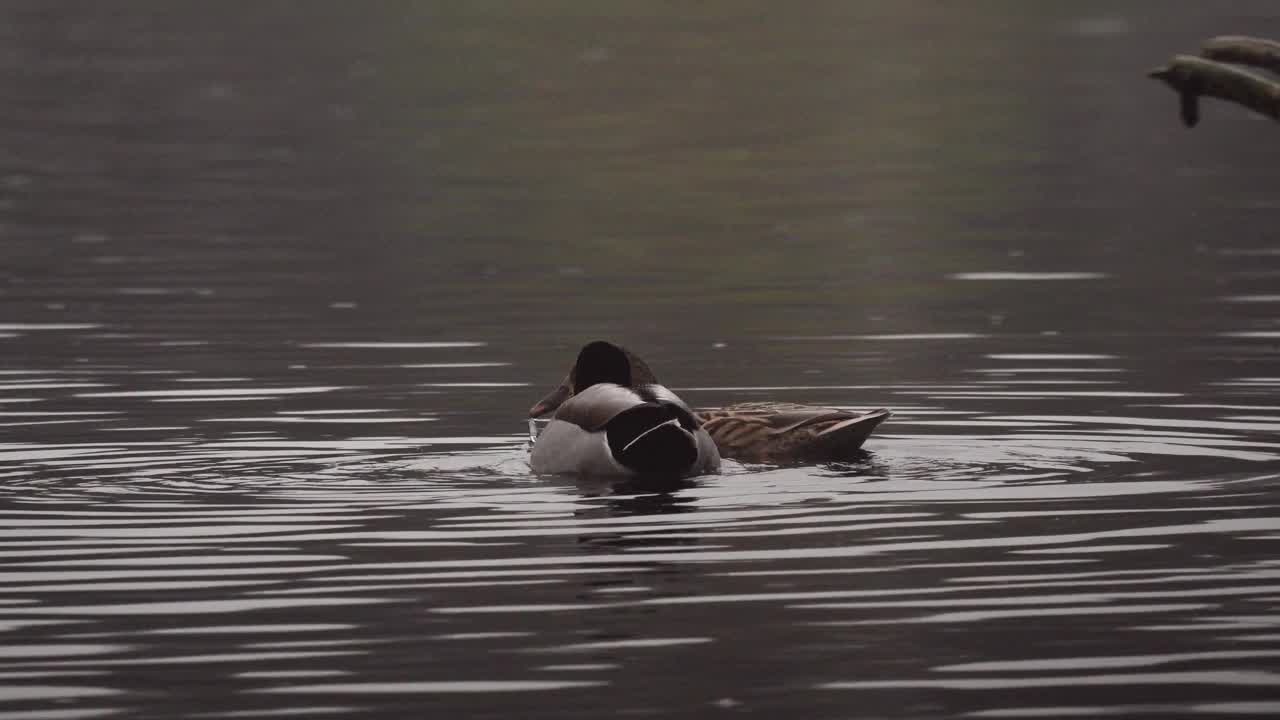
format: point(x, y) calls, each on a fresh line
point(280, 280)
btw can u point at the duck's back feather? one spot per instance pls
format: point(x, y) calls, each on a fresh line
point(593, 408)
point(779, 432)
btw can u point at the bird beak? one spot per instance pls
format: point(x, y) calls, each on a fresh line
point(552, 401)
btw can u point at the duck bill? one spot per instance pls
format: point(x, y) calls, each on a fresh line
point(552, 401)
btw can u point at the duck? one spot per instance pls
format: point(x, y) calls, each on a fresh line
point(612, 418)
point(752, 432)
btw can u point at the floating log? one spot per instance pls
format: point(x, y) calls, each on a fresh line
point(1192, 76)
point(1243, 50)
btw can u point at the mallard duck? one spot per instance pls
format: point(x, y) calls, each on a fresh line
point(613, 418)
point(748, 432)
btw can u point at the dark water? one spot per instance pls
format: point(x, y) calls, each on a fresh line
point(280, 280)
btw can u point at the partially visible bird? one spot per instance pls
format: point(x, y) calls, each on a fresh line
point(772, 432)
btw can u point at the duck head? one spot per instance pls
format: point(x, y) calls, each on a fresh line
point(598, 362)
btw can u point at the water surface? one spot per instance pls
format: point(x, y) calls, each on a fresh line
point(278, 289)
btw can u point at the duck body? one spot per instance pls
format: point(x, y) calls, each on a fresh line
point(610, 421)
point(769, 432)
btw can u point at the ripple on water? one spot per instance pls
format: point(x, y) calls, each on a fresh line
point(288, 553)
point(446, 687)
point(1027, 276)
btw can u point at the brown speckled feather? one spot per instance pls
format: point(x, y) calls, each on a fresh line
point(783, 432)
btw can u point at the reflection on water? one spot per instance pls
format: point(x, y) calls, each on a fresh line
point(277, 293)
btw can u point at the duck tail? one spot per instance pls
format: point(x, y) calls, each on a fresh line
point(649, 438)
point(844, 439)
